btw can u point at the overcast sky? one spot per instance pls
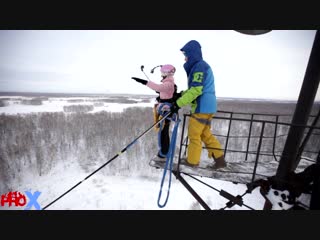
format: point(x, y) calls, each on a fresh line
point(270, 66)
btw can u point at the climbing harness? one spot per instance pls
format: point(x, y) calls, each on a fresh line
point(170, 155)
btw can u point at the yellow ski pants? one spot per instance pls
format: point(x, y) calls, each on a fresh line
point(199, 130)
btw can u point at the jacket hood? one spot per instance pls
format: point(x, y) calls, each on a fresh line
point(193, 52)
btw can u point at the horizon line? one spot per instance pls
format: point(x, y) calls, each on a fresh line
point(3, 93)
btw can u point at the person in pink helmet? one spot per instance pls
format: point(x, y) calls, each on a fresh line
point(166, 90)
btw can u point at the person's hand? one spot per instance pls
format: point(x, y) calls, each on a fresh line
point(178, 95)
point(142, 81)
point(174, 107)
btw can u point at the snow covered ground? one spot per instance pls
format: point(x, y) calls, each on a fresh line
point(15, 105)
point(102, 192)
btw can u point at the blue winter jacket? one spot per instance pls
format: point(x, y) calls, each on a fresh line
point(201, 88)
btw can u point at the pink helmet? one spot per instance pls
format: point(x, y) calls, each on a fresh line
point(167, 70)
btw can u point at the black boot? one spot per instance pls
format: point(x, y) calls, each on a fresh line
point(219, 163)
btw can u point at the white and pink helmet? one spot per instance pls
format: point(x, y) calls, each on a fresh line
point(167, 70)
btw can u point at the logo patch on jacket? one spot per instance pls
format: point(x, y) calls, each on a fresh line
point(197, 77)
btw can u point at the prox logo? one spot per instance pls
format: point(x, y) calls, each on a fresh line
point(19, 199)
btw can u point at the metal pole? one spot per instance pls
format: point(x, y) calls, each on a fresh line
point(190, 189)
point(248, 143)
point(258, 152)
point(306, 139)
point(307, 95)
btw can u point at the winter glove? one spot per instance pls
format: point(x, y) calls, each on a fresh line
point(174, 108)
point(179, 94)
point(144, 82)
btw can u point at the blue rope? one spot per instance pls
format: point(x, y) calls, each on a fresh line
point(170, 155)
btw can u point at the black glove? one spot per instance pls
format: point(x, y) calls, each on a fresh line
point(178, 95)
point(174, 108)
point(144, 82)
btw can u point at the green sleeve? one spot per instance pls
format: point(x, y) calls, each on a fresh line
point(189, 96)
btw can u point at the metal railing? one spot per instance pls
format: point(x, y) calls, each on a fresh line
point(256, 136)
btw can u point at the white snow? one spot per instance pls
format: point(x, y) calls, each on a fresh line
point(14, 105)
point(101, 192)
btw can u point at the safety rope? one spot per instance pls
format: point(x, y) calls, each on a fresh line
point(109, 161)
point(170, 155)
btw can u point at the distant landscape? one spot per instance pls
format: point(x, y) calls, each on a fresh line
point(43, 131)
point(267, 106)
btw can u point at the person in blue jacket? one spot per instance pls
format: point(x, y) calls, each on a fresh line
point(201, 96)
